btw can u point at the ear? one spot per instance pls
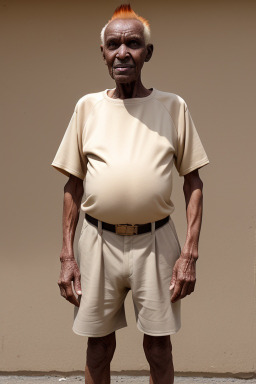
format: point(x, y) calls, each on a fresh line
point(150, 49)
point(102, 51)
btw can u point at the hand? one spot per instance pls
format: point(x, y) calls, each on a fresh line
point(183, 277)
point(70, 272)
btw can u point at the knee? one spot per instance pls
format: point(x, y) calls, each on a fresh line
point(158, 350)
point(100, 350)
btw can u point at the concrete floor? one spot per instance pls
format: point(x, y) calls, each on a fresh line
point(118, 380)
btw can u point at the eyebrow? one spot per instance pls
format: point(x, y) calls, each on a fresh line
point(116, 37)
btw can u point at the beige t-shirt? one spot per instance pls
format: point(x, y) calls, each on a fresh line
point(125, 150)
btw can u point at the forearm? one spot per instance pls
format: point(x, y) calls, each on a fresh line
point(193, 191)
point(73, 192)
point(184, 271)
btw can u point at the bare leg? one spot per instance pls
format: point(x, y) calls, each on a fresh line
point(100, 352)
point(158, 351)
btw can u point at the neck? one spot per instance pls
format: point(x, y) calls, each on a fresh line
point(129, 90)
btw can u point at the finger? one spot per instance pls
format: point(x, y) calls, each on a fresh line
point(191, 288)
point(70, 296)
point(173, 279)
point(184, 290)
point(63, 292)
point(77, 285)
point(176, 293)
point(172, 283)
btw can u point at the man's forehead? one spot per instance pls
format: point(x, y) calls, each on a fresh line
point(124, 26)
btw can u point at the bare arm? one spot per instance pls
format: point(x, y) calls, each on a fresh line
point(184, 272)
point(73, 193)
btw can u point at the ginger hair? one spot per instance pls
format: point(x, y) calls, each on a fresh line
point(125, 11)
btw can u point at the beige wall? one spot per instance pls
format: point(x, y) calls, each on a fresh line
point(205, 52)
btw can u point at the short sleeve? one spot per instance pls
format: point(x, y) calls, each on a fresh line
point(190, 153)
point(69, 158)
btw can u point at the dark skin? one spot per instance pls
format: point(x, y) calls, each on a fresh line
point(73, 193)
point(125, 52)
point(184, 272)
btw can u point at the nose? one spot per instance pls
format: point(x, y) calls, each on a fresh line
point(122, 52)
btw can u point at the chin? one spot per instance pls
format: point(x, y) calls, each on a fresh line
point(124, 79)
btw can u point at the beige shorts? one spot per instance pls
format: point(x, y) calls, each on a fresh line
point(111, 265)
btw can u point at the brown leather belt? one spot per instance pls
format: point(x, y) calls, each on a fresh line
point(127, 229)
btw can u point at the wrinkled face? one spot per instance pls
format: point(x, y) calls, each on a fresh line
point(124, 49)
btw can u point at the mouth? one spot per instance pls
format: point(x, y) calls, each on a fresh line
point(123, 66)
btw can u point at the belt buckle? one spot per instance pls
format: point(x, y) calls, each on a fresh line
point(126, 229)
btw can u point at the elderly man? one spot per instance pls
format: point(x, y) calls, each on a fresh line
point(123, 143)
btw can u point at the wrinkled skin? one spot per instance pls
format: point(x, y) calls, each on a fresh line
point(184, 272)
point(183, 277)
point(125, 52)
point(69, 273)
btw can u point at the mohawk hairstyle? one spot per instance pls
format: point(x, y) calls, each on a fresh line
point(125, 11)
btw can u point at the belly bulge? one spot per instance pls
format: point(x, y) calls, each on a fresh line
point(128, 193)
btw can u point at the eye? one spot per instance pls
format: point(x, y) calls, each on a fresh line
point(134, 43)
point(111, 44)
